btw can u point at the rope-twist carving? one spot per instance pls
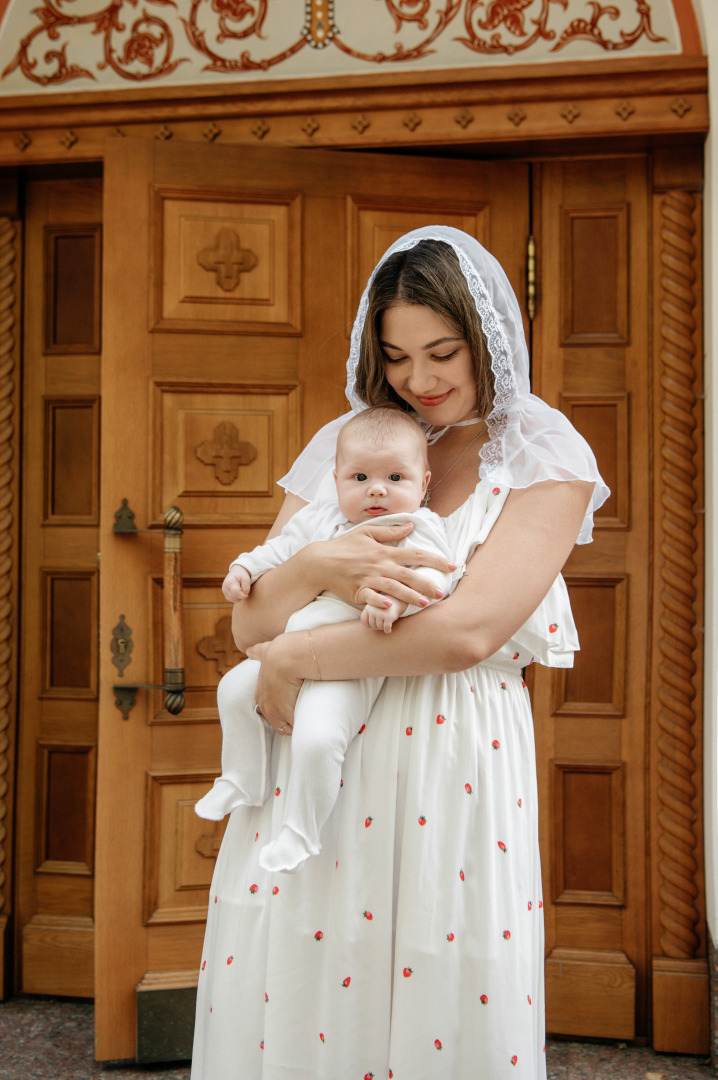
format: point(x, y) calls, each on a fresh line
point(677, 643)
point(7, 388)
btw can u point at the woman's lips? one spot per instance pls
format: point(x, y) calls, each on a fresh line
point(439, 399)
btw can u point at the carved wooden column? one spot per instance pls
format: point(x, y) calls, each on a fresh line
point(680, 974)
point(10, 285)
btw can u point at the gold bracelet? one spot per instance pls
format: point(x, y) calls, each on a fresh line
point(311, 646)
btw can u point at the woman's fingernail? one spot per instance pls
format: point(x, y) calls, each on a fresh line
point(453, 566)
point(438, 594)
point(423, 601)
point(387, 603)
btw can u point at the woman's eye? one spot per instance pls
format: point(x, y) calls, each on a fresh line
point(360, 476)
point(448, 356)
point(393, 359)
point(395, 476)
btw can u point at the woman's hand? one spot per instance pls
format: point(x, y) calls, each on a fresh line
point(278, 687)
point(364, 562)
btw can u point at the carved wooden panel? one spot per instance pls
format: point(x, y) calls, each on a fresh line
point(588, 841)
point(221, 448)
point(72, 461)
point(180, 848)
point(375, 225)
point(72, 288)
point(226, 262)
point(594, 279)
point(210, 650)
point(602, 419)
point(596, 683)
point(66, 794)
point(70, 634)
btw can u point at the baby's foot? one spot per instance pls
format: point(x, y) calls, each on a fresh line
point(288, 852)
point(221, 800)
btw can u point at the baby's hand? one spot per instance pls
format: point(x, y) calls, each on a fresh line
point(236, 585)
point(383, 618)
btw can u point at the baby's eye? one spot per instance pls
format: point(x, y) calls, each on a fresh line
point(360, 476)
point(395, 476)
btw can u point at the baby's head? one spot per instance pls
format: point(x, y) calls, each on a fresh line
point(381, 465)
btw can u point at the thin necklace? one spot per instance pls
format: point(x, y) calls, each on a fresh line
point(427, 497)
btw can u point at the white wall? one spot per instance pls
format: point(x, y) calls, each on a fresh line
point(707, 12)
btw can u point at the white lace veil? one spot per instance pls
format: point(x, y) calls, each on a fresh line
point(528, 440)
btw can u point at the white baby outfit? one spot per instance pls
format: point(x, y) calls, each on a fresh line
point(328, 715)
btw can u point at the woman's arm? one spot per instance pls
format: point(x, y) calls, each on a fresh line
point(359, 560)
point(507, 578)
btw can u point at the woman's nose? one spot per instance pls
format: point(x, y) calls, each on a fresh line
point(421, 378)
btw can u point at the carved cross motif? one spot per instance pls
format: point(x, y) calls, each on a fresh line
point(227, 259)
point(226, 453)
point(221, 647)
point(208, 844)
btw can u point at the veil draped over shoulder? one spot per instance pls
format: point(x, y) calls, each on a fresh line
point(528, 440)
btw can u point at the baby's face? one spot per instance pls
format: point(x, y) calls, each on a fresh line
point(379, 478)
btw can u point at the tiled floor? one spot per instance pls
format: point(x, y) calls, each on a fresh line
point(49, 1039)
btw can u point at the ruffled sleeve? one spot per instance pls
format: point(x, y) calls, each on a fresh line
point(550, 635)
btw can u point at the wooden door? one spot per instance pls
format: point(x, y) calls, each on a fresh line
point(231, 280)
point(59, 594)
point(592, 359)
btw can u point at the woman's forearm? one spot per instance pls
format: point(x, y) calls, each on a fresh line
point(274, 597)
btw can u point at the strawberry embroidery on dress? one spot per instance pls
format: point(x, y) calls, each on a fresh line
point(407, 972)
point(502, 846)
point(409, 730)
point(514, 1059)
point(437, 1044)
point(367, 822)
point(504, 686)
point(496, 745)
point(484, 999)
point(461, 874)
point(253, 888)
point(318, 936)
point(275, 890)
point(553, 628)
point(441, 719)
point(229, 960)
point(468, 789)
point(422, 819)
point(450, 937)
point(368, 915)
point(345, 982)
point(507, 935)
point(321, 1036)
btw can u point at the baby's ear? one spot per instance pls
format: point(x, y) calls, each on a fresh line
point(427, 478)
point(334, 473)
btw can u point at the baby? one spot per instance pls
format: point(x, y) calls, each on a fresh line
point(381, 473)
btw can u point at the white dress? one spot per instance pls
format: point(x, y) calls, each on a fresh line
point(412, 946)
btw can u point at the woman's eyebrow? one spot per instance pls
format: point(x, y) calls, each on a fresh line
point(431, 345)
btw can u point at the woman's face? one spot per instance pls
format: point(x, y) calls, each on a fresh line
point(427, 365)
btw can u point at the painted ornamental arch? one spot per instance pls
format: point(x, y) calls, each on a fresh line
point(416, 73)
point(486, 78)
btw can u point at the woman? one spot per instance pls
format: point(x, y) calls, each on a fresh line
point(413, 945)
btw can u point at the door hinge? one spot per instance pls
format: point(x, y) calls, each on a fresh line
point(531, 277)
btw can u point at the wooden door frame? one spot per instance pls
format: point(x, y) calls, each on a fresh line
point(559, 109)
